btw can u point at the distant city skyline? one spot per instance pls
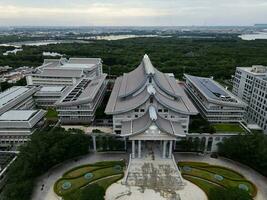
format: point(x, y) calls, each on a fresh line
point(132, 12)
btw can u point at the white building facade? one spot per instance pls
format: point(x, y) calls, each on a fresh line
point(250, 84)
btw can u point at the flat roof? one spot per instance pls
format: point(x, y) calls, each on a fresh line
point(17, 115)
point(11, 94)
point(78, 66)
point(52, 88)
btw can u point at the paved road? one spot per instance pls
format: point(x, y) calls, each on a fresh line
point(259, 180)
point(49, 178)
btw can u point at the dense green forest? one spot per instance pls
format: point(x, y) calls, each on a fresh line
point(248, 149)
point(46, 149)
point(204, 57)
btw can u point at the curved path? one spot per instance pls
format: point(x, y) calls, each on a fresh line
point(259, 180)
point(49, 178)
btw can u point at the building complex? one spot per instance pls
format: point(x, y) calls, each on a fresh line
point(150, 108)
point(65, 71)
point(250, 84)
point(214, 102)
point(18, 120)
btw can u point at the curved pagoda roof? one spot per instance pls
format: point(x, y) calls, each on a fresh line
point(135, 88)
point(150, 119)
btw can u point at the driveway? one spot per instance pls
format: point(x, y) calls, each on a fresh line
point(49, 178)
point(259, 180)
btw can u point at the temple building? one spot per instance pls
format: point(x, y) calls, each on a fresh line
point(151, 109)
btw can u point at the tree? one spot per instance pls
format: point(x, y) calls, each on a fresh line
point(228, 194)
point(45, 150)
point(248, 149)
point(93, 192)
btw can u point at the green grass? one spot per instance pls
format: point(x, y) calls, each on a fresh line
point(229, 128)
point(100, 170)
point(204, 173)
point(51, 114)
point(105, 183)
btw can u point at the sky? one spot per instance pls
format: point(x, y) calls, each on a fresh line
point(132, 12)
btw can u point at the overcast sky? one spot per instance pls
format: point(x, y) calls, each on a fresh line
point(132, 12)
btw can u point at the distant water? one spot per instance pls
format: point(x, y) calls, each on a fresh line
point(42, 42)
point(254, 36)
point(117, 37)
point(12, 52)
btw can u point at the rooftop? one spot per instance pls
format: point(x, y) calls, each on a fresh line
point(17, 115)
point(52, 89)
point(212, 90)
point(84, 91)
point(11, 94)
point(134, 89)
point(258, 70)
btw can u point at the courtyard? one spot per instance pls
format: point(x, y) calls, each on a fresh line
point(137, 192)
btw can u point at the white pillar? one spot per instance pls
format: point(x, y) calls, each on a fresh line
point(94, 142)
point(139, 148)
point(206, 144)
point(133, 149)
point(164, 149)
point(170, 149)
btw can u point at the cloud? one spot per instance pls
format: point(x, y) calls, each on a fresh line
point(132, 12)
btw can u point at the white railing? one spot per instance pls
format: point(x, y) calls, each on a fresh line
point(178, 171)
point(124, 182)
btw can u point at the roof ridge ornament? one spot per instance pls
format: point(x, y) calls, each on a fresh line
point(152, 113)
point(149, 68)
point(151, 90)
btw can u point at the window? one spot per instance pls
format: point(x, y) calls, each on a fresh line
point(165, 110)
point(136, 116)
point(136, 110)
point(151, 100)
point(142, 110)
point(159, 110)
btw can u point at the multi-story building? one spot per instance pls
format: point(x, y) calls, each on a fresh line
point(47, 96)
point(17, 98)
point(150, 107)
point(215, 103)
point(250, 84)
point(16, 126)
point(79, 103)
point(65, 71)
point(17, 119)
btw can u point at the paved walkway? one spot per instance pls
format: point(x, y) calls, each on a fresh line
point(49, 178)
point(259, 180)
point(117, 191)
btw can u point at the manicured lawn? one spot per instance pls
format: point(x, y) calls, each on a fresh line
point(102, 173)
point(208, 176)
point(228, 128)
point(51, 114)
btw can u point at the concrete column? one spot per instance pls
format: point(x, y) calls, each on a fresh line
point(164, 149)
point(139, 148)
point(94, 142)
point(133, 149)
point(125, 144)
point(206, 144)
point(170, 149)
